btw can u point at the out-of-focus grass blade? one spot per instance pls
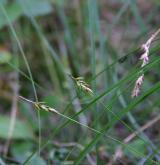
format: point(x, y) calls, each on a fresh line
point(114, 120)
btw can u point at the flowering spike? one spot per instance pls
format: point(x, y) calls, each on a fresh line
point(145, 60)
point(81, 84)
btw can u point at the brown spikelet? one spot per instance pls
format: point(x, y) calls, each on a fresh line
point(82, 85)
point(39, 105)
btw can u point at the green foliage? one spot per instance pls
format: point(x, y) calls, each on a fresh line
point(24, 7)
point(21, 130)
point(5, 57)
point(35, 8)
point(138, 145)
point(14, 12)
point(23, 150)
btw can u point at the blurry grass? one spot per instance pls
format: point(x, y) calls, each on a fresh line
point(114, 119)
point(27, 65)
point(137, 15)
point(20, 48)
point(110, 89)
point(122, 113)
point(92, 11)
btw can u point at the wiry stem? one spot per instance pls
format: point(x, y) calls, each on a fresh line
point(23, 98)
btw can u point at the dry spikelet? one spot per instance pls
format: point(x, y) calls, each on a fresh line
point(42, 106)
point(39, 105)
point(82, 85)
point(145, 60)
point(137, 86)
